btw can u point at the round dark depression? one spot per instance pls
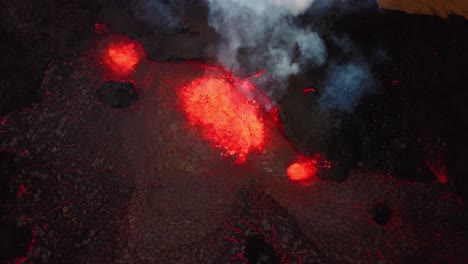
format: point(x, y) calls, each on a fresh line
point(381, 214)
point(117, 94)
point(258, 251)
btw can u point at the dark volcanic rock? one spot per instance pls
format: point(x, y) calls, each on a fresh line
point(14, 241)
point(416, 109)
point(117, 94)
point(259, 251)
point(33, 33)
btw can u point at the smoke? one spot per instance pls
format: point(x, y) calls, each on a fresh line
point(261, 35)
point(344, 85)
point(345, 81)
point(159, 13)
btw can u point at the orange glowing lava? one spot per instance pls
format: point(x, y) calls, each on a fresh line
point(299, 171)
point(123, 57)
point(225, 116)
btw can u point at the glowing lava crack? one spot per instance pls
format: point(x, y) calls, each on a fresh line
point(224, 116)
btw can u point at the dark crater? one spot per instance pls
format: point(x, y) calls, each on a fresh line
point(381, 213)
point(117, 94)
point(258, 251)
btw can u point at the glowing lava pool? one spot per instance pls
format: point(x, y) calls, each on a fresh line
point(119, 55)
point(224, 116)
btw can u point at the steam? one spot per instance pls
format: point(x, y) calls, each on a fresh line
point(344, 86)
point(158, 13)
point(261, 35)
point(346, 82)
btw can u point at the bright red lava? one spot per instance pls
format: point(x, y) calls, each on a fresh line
point(123, 56)
point(309, 89)
point(302, 170)
point(225, 116)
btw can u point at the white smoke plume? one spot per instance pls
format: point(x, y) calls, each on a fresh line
point(261, 35)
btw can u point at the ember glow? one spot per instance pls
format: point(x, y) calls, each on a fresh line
point(302, 170)
point(309, 89)
point(225, 116)
point(122, 57)
point(438, 169)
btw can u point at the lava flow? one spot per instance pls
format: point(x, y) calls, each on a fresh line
point(225, 116)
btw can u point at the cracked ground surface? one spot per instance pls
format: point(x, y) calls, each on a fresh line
point(92, 184)
point(142, 186)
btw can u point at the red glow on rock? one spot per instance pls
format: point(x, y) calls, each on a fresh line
point(31, 246)
point(225, 116)
point(438, 169)
point(258, 74)
point(17, 260)
point(251, 92)
point(100, 28)
point(274, 113)
point(302, 170)
point(21, 190)
point(309, 89)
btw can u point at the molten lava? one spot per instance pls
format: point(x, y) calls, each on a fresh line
point(225, 116)
point(122, 56)
point(302, 170)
